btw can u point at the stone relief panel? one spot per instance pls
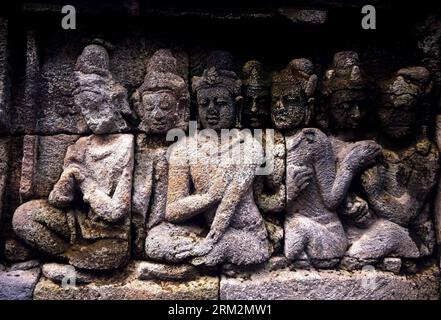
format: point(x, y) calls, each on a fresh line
point(135, 163)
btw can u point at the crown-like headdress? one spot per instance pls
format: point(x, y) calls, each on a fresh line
point(218, 73)
point(162, 74)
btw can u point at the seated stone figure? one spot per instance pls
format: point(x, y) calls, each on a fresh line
point(205, 180)
point(269, 187)
point(314, 185)
point(345, 97)
point(397, 189)
point(162, 103)
point(86, 220)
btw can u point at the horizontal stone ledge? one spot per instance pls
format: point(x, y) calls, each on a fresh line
point(126, 285)
point(332, 285)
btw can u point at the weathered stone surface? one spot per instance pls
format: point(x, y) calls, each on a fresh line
point(31, 264)
point(222, 184)
point(42, 164)
point(19, 284)
point(148, 270)
point(4, 169)
point(332, 285)
point(149, 188)
point(162, 102)
point(304, 16)
point(101, 168)
point(103, 102)
point(5, 82)
point(58, 272)
point(126, 286)
point(315, 186)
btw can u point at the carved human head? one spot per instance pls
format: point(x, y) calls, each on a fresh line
point(99, 97)
point(292, 94)
point(163, 99)
point(344, 90)
point(217, 92)
point(399, 101)
point(256, 95)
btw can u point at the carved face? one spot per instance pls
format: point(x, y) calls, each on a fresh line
point(216, 108)
point(159, 111)
point(289, 107)
point(347, 109)
point(398, 108)
point(256, 107)
point(98, 110)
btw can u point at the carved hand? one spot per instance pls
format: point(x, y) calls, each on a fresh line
point(355, 207)
point(203, 247)
point(362, 155)
point(301, 177)
point(63, 191)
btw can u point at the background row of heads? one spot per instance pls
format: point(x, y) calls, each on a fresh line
point(258, 99)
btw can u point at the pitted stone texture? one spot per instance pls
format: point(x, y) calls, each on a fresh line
point(150, 184)
point(167, 272)
point(103, 101)
point(18, 284)
point(4, 77)
point(126, 286)
point(42, 164)
point(332, 285)
point(162, 102)
point(92, 232)
point(58, 272)
point(4, 169)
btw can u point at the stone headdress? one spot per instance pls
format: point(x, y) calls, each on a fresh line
point(412, 80)
point(162, 74)
point(254, 76)
point(298, 73)
point(344, 77)
point(93, 59)
point(218, 74)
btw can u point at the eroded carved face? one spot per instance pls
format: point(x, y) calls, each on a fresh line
point(216, 108)
point(99, 110)
point(256, 107)
point(160, 111)
point(347, 109)
point(289, 107)
point(397, 109)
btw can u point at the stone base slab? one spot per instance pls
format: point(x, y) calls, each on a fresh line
point(128, 286)
point(332, 285)
point(18, 284)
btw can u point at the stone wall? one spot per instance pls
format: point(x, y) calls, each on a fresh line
point(274, 152)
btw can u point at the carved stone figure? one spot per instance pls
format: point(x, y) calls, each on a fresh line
point(222, 184)
point(345, 92)
point(162, 101)
point(269, 188)
point(397, 189)
point(256, 95)
point(103, 102)
point(86, 219)
point(314, 185)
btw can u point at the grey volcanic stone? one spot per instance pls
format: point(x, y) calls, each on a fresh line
point(332, 285)
point(159, 271)
point(125, 286)
point(57, 272)
point(19, 284)
point(27, 265)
